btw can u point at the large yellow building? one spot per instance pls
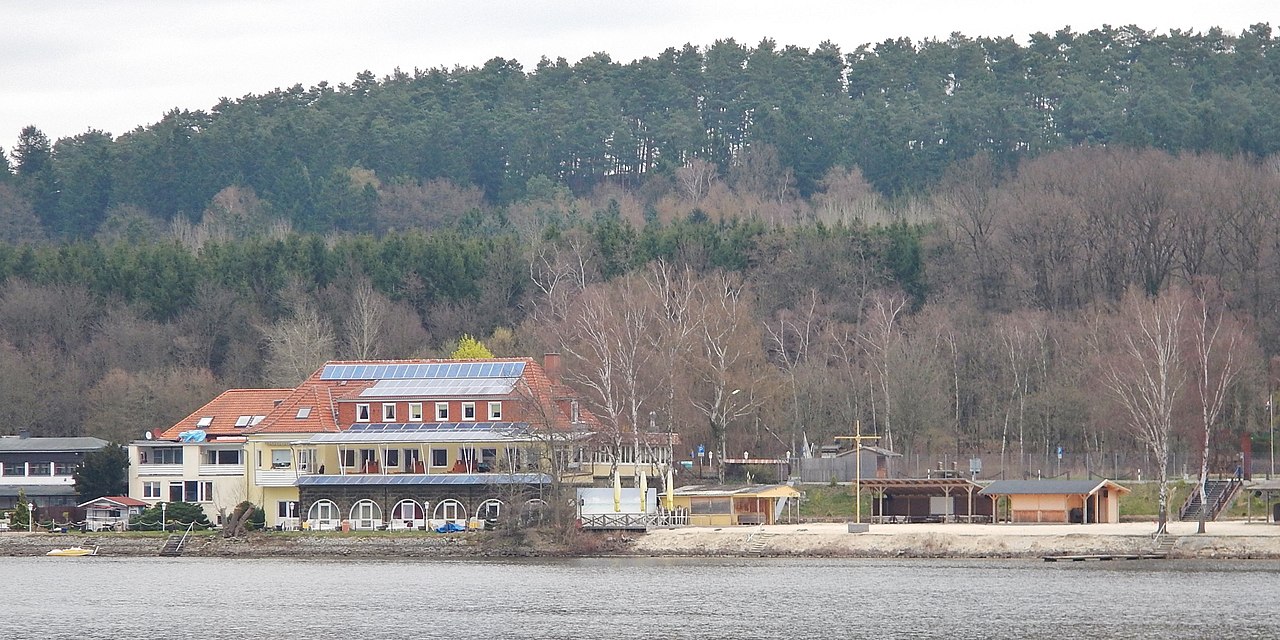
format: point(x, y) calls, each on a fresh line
point(386, 444)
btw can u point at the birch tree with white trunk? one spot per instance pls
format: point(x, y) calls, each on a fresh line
point(1142, 368)
point(1217, 341)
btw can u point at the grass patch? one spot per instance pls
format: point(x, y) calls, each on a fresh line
point(1144, 501)
point(827, 501)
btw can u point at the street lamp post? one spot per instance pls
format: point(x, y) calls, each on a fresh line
point(31, 517)
point(1271, 430)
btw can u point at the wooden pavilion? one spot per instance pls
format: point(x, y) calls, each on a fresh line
point(722, 505)
point(1060, 501)
point(896, 500)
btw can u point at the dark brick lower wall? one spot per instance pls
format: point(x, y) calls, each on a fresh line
point(387, 496)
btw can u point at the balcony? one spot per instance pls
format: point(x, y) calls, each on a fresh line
point(275, 477)
point(160, 469)
point(221, 470)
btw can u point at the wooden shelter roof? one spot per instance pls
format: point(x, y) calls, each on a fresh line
point(1049, 487)
point(920, 486)
point(738, 491)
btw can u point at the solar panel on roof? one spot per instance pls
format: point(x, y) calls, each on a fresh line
point(422, 371)
point(434, 479)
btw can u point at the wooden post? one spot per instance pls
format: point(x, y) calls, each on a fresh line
point(857, 439)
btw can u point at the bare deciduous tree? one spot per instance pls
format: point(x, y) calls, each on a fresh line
point(364, 324)
point(695, 179)
point(1141, 366)
point(1217, 343)
point(791, 337)
point(297, 346)
point(878, 342)
point(727, 357)
point(606, 338)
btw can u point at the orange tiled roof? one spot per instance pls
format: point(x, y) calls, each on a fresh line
point(225, 410)
point(322, 397)
point(318, 397)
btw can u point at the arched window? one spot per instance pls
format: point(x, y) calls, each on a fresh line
point(449, 510)
point(407, 514)
point(489, 510)
point(323, 516)
point(531, 511)
point(366, 515)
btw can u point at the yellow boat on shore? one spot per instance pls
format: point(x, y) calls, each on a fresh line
point(73, 552)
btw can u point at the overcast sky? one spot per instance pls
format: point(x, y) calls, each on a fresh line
point(72, 65)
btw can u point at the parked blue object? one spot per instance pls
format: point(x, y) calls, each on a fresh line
point(450, 527)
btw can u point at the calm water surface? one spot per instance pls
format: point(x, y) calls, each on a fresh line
point(229, 599)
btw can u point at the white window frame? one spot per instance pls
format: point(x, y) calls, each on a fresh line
point(415, 412)
point(495, 411)
point(281, 458)
point(324, 513)
point(151, 489)
point(388, 412)
point(449, 510)
point(305, 457)
point(432, 460)
point(362, 413)
point(469, 406)
point(366, 515)
point(442, 412)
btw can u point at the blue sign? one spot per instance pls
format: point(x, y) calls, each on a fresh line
point(1059, 453)
point(702, 451)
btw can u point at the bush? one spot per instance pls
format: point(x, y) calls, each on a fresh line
point(177, 515)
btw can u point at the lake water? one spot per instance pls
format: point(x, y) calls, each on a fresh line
point(107, 597)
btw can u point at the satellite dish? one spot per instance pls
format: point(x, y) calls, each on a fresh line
point(148, 435)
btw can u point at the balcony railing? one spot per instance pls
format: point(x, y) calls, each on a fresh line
point(221, 470)
point(159, 469)
point(275, 477)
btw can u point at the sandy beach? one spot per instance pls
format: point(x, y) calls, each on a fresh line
point(1222, 540)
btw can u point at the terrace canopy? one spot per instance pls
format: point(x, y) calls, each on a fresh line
point(925, 500)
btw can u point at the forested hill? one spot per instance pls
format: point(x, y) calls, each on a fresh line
point(901, 111)
point(945, 240)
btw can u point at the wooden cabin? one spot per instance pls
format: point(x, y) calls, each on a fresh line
point(726, 505)
point(1057, 501)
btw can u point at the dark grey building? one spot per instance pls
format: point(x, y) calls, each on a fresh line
point(41, 468)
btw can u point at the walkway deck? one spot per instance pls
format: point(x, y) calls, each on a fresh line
point(1107, 557)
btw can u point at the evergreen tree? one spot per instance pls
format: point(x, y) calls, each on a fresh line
point(103, 473)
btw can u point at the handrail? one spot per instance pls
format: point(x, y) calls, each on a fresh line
point(1212, 502)
point(185, 534)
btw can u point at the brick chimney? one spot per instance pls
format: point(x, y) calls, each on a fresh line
point(551, 364)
